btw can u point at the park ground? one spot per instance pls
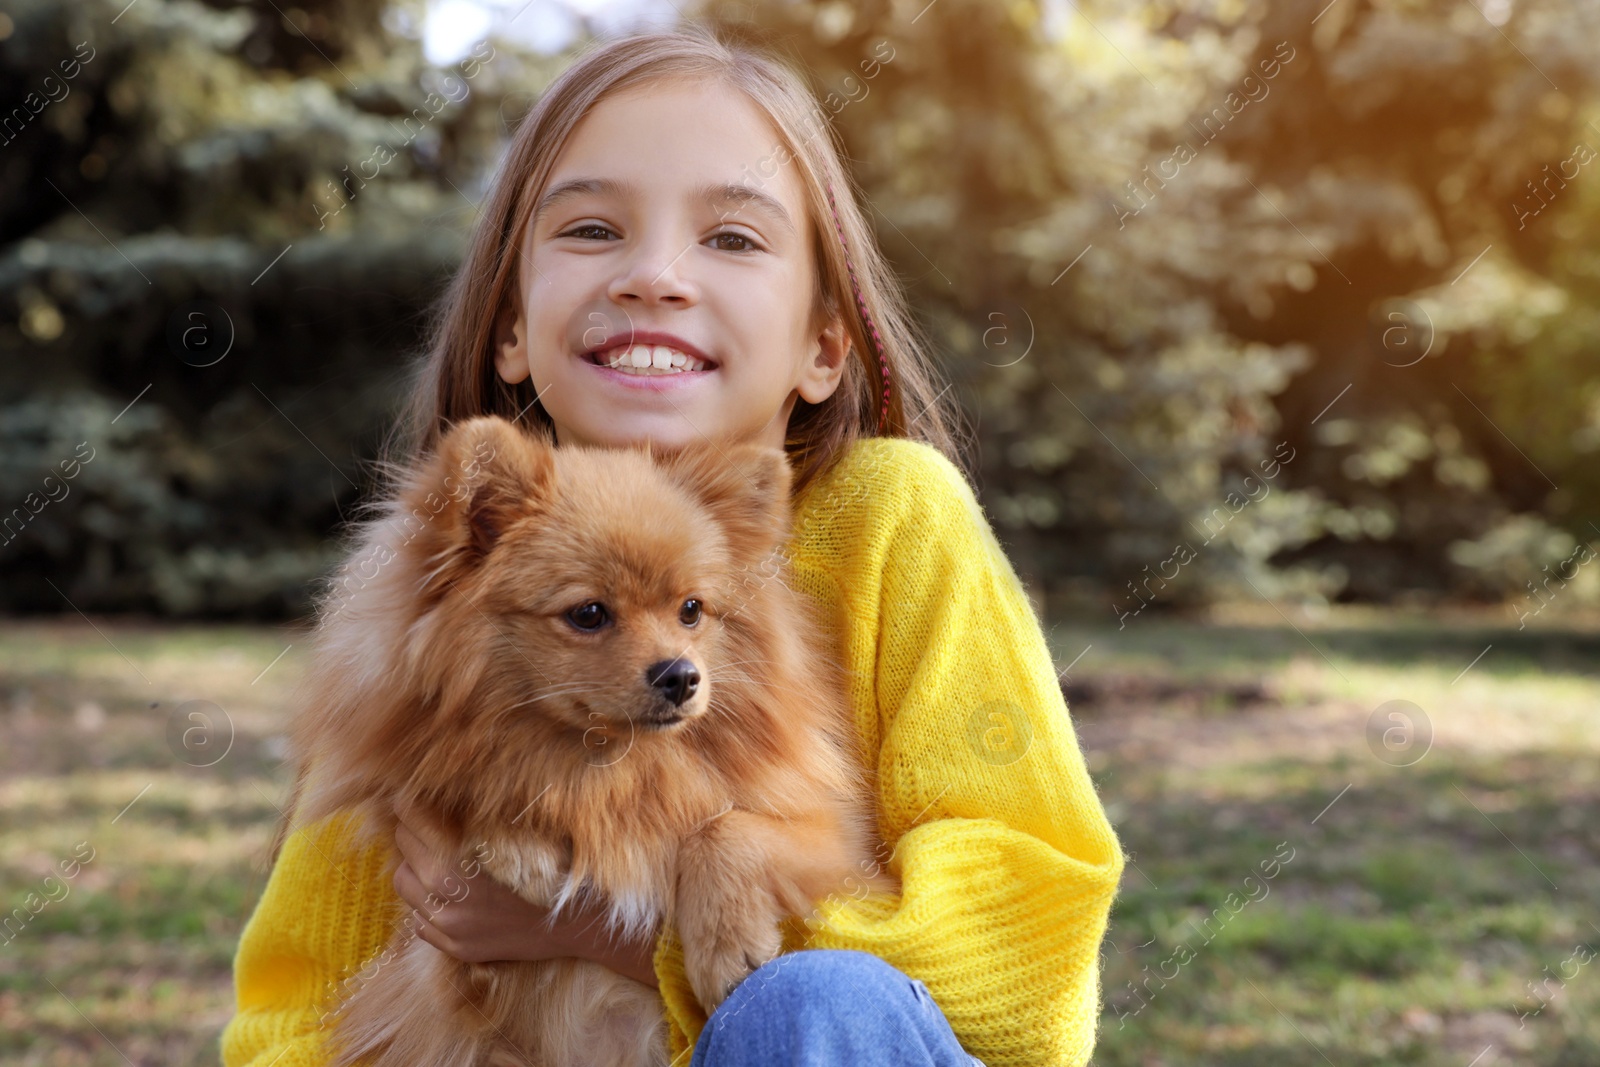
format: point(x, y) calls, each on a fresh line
point(1422, 788)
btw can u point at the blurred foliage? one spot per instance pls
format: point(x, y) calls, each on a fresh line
point(208, 159)
point(1309, 293)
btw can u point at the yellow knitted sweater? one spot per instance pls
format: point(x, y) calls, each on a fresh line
point(1007, 862)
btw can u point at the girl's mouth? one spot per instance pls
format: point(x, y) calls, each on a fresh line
point(646, 361)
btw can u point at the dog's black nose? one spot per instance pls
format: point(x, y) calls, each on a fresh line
point(676, 678)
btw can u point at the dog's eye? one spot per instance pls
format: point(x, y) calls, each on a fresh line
point(689, 614)
point(590, 616)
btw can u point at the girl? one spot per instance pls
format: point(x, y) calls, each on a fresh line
point(683, 195)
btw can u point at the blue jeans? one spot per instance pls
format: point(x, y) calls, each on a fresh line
point(829, 1008)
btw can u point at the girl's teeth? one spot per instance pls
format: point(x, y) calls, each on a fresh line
point(656, 358)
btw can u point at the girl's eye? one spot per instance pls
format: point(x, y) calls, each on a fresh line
point(576, 230)
point(590, 616)
point(689, 614)
point(752, 246)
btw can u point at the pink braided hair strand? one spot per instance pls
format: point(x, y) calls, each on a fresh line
point(872, 327)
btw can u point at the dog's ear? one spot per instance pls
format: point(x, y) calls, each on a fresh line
point(744, 486)
point(508, 473)
point(504, 472)
point(485, 475)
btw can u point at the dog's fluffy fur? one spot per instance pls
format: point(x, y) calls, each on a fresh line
point(450, 678)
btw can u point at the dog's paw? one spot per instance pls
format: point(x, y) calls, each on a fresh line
point(714, 974)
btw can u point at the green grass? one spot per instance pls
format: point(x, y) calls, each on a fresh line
point(1421, 910)
point(133, 957)
point(1413, 924)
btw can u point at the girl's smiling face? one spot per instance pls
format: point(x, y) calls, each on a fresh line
point(656, 219)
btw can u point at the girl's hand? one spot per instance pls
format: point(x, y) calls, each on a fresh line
point(465, 913)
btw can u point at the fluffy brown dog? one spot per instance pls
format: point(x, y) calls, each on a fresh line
point(585, 665)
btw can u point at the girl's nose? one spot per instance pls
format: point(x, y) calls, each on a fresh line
point(656, 273)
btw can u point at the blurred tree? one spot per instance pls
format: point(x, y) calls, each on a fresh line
point(1424, 177)
point(239, 214)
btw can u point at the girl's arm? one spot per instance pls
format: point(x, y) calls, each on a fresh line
point(327, 909)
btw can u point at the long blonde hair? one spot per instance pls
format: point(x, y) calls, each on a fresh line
point(456, 378)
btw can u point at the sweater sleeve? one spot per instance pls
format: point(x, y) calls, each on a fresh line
point(1007, 860)
point(327, 907)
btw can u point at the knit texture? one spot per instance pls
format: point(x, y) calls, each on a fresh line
point(1007, 862)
